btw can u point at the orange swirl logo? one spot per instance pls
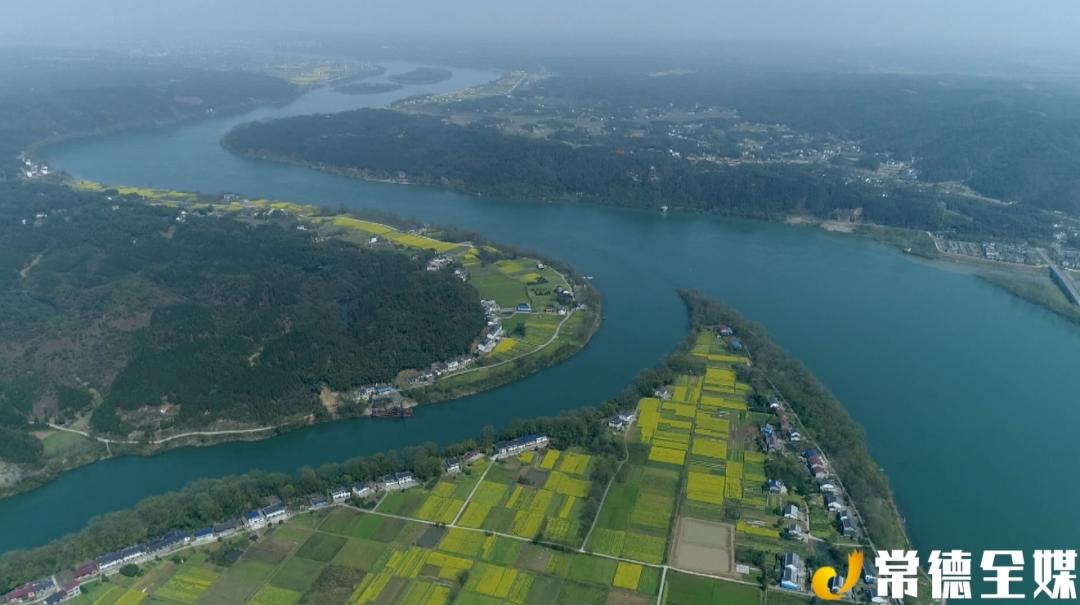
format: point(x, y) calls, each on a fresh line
point(824, 575)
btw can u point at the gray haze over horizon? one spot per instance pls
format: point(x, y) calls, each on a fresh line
point(1045, 26)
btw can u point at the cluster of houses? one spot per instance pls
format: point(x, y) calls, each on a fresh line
point(792, 570)
point(453, 365)
point(33, 170)
point(773, 439)
point(622, 421)
point(493, 332)
point(793, 574)
point(796, 530)
point(489, 339)
point(35, 591)
point(830, 489)
point(425, 377)
point(52, 592)
point(372, 392)
point(728, 332)
point(37, 221)
point(440, 262)
point(787, 428)
point(506, 449)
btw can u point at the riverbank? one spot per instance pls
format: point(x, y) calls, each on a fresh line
point(578, 478)
point(1028, 282)
point(1014, 279)
point(541, 314)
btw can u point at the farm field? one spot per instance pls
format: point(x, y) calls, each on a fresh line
point(533, 496)
point(636, 518)
point(778, 597)
point(685, 589)
point(354, 557)
point(441, 503)
point(725, 464)
point(692, 493)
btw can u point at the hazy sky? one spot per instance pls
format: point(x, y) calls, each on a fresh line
point(1039, 24)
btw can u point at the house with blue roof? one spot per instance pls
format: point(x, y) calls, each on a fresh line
point(255, 520)
point(791, 571)
point(768, 435)
point(228, 527)
point(204, 535)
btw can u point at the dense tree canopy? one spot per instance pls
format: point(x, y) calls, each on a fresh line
point(387, 144)
point(226, 318)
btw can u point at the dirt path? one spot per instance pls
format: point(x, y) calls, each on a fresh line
point(626, 457)
point(546, 344)
point(26, 270)
point(106, 440)
point(457, 518)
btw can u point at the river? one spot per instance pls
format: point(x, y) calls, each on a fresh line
point(966, 392)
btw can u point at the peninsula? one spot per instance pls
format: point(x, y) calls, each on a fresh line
point(268, 316)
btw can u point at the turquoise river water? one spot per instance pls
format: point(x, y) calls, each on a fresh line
point(967, 394)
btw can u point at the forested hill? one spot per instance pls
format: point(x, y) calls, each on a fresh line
point(54, 95)
point(381, 144)
point(183, 320)
point(1006, 138)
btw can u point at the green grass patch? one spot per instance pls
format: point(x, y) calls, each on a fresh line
point(238, 583)
point(61, 443)
point(683, 589)
point(607, 541)
point(272, 595)
point(649, 582)
point(297, 574)
point(359, 554)
point(593, 570)
point(494, 284)
point(641, 547)
point(504, 551)
point(574, 593)
point(545, 590)
point(292, 532)
point(321, 547)
point(334, 586)
point(777, 597)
